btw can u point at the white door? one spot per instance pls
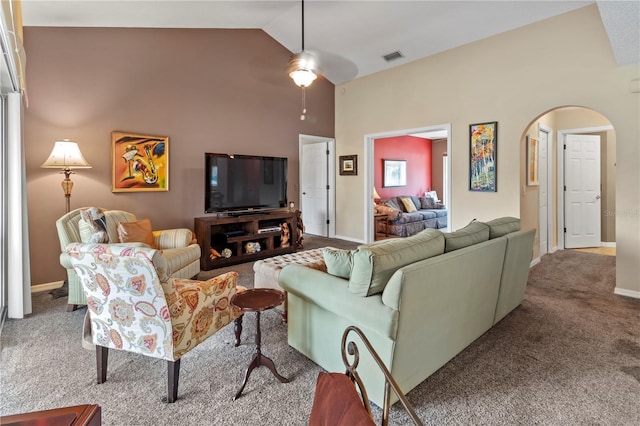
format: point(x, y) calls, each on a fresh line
point(543, 161)
point(314, 186)
point(582, 191)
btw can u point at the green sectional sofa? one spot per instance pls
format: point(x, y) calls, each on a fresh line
point(420, 300)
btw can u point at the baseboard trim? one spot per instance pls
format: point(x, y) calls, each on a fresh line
point(46, 286)
point(353, 240)
point(627, 293)
point(553, 249)
point(604, 244)
point(534, 262)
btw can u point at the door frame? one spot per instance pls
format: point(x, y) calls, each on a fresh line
point(369, 139)
point(304, 139)
point(550, 207)
point(560, 188)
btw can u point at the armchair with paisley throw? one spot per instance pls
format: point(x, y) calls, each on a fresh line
point(133, 305)
point(177, 245)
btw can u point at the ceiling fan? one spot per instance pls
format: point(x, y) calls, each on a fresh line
point(303, 68)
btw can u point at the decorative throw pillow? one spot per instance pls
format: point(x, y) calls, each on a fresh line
point(339, 262)
point(408, 204)
point(428, 203)
point(93, 226)
point(139, 232)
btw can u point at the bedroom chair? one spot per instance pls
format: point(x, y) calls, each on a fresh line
point(336, 401)
point(178, 246)
point(133, 305)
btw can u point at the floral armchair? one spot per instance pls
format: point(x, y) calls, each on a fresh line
point(177, 245)
point(133, 305)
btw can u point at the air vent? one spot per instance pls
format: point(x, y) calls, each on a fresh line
point(393, 56)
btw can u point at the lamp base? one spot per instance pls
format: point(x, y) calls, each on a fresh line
point(62, 291)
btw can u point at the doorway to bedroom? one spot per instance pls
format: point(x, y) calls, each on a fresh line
point(411, 163)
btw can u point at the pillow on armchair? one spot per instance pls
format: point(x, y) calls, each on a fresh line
point(139, 231)
point(93, 226)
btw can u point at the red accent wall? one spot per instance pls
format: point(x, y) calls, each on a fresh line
point(417, 152)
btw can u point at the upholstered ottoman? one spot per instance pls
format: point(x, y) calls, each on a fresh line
point(266, 271)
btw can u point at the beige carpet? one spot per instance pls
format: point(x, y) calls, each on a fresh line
point(569, 355)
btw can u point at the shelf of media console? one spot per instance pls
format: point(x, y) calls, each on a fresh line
point(249, 237)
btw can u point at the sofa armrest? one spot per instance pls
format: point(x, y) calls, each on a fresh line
point(331, 293)
point(172, 238)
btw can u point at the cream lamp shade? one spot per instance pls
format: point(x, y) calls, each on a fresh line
point(376, 196)
point(66, 155)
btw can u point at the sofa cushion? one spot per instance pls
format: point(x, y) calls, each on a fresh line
point(428, 214)
point(503, 226)
point(474, 233)
point(416, 202)
point(138, 231)
point(407, 202)
point(373, 264)
point(339, 262)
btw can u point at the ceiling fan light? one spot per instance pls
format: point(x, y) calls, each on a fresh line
point(303, 77)
point(302, 69)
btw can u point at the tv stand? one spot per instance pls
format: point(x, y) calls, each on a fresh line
point(234, 232)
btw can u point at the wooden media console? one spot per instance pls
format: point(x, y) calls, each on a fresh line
point(233, 232)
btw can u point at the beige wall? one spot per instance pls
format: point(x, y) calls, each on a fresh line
point(208, 90)
point(496, 79)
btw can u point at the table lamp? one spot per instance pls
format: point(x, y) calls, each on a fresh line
point(376, 196)
point(66, 155)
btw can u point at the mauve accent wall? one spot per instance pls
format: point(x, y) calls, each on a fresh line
point(417, 152)
point(207, 90)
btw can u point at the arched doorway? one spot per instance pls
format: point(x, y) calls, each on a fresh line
point(545, 178)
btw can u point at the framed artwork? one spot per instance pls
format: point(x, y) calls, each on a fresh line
point(139, 163)
point(349, 165)
point(483, 160)
point(532, 161)
point(394, 173)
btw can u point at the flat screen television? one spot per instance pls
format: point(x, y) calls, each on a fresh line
point(244, 183)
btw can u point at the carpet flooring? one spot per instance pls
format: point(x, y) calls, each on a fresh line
point(569, 355)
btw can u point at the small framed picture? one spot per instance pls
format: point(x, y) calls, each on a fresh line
point(395, 173)
point(532, 161)
point(349, 165)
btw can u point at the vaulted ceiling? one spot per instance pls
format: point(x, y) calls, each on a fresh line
point(348, 38)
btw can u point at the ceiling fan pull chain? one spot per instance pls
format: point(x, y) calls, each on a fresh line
point(304, 105)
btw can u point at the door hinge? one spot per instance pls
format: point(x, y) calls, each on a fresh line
point(565, 230)
point(327, 152)
point(328, 221)
point(564, 146)
point(565, 187)
point(327, 187)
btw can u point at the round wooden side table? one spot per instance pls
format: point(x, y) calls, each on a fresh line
point(258, 300)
